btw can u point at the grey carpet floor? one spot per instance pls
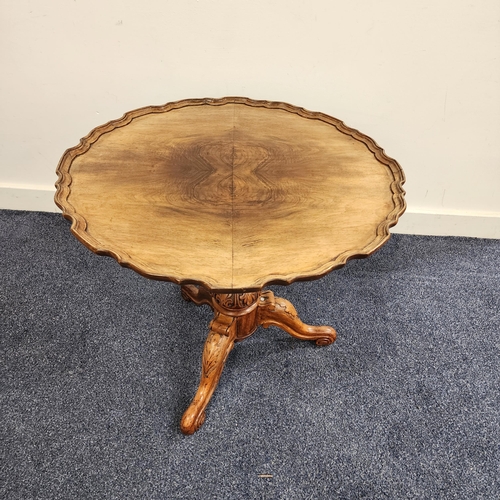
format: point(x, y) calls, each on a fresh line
point(98, 365)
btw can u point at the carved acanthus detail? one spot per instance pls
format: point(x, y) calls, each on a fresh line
point(235, 304)
point(217, 342)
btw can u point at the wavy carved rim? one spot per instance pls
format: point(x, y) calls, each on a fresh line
point(79, 224)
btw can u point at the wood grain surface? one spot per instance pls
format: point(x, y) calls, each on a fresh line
point(230, 194)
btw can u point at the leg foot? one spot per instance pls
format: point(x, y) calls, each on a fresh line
point(280, 312)
point(218, 345)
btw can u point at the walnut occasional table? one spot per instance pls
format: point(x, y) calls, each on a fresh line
point(226, 196)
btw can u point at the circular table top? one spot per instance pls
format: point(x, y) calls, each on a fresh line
point(231, 193)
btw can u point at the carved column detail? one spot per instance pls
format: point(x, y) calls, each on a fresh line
point(235, 304)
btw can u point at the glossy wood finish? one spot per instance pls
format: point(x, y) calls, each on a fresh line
point(232, 194)
point(224, 196)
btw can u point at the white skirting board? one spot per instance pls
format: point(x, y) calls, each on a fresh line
point(475, 225)
point(456, 223)
point(33, 198)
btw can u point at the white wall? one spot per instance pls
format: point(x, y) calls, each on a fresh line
point(421, 77)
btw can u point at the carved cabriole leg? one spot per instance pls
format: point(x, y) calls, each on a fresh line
point(280, 312)
point(218, 345)
point(235, 319)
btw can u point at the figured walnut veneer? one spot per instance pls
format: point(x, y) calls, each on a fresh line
point(230, 194)
point(224, 196)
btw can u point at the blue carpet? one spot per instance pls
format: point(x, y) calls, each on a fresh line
point(98, 365)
